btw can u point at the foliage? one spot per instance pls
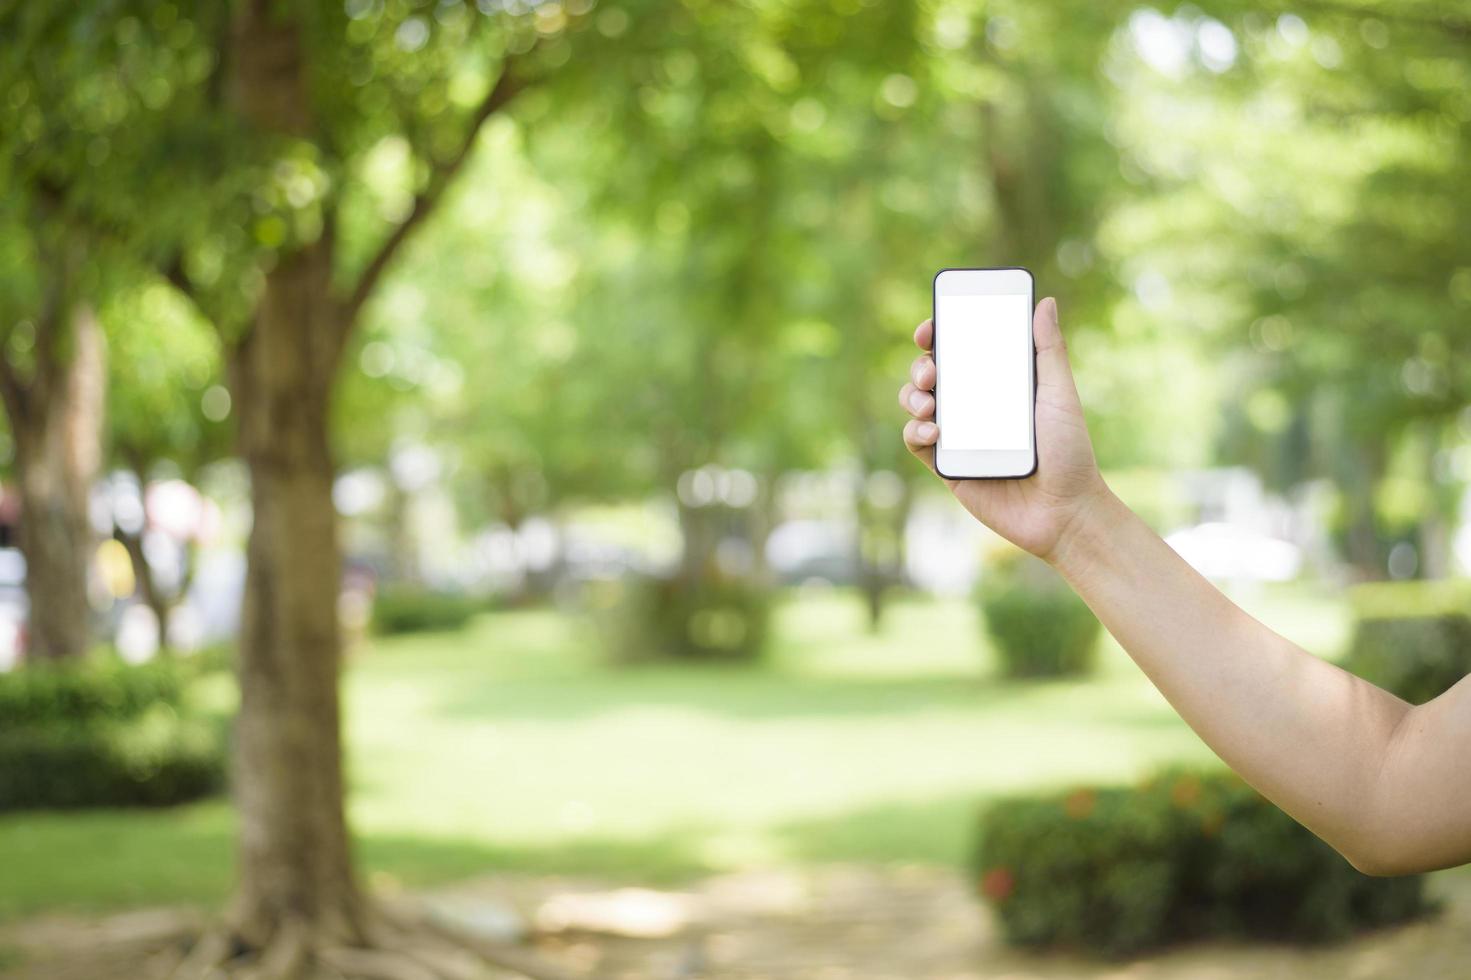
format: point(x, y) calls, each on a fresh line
point(104, 733)
point(670, 617)
point(407, 609)
point(1411, 638)
point(165, 395)
point(156, 760)
point(1117, 870)
point(1295, 178)
point(99, 689)
point(1039, 626)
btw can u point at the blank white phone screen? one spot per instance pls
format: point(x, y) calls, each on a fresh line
point(984, 346)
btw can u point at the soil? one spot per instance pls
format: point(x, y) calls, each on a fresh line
point(829, 924)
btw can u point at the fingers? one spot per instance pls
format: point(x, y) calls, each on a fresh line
point(920, 433)
point(1053, 369)
point(1045, 328)
point(924, 335)
point(920, 437)
point(922, 373)
point(919, 404)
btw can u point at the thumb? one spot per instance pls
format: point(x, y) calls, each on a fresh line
point(1053, 370)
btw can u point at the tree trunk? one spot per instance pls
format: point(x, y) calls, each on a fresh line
point(700, 531)
point(58, 435)
point(873, 580)
point(1435, 525)
point(295, 865)
point(147, 583)
point(1365, 551)
point(294, 856)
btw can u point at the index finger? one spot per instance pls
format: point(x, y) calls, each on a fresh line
point(924, 334)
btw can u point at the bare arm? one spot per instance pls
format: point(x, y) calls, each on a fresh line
point(1381, 781)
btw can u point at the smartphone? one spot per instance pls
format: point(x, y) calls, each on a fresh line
point(985, 365)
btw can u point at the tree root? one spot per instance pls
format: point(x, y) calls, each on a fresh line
point(283, 958)
point(205, 959)
point(401, 945)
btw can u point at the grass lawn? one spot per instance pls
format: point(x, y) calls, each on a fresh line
point(506, 746)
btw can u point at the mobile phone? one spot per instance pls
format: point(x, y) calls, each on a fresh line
point(985, 374)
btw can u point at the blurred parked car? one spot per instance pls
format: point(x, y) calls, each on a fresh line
point(805, 550)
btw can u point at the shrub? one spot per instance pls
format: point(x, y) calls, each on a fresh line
point(1262, 874)
point(1118, 870)
point(1411, 638)
point(644, 617)
point(101, 732)
point(156, 760)
point(415, 610)
point(1092, 869)
point(95, 689)
point(1039, 627)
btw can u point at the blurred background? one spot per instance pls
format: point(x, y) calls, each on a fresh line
point(570, 333)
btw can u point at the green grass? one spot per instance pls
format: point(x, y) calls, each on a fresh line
point(506, 746)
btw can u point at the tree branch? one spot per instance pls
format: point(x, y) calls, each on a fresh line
point(54, 194)
point(442, 173)
point(173, 272)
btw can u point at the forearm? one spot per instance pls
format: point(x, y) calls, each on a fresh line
point(1311, 737)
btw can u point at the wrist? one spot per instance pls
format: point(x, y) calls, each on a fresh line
point(1083, 538)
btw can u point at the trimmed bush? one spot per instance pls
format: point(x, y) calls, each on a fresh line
point(101, 732)
point(1116, 871)
point(641, 617)
point(157, 760)
point(1039, 627)
point(1411, 638)
point(411, 610)
point(1092, 869)
point(1264, 875)
point(96, 689)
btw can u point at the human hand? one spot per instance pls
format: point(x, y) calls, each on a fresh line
point(1037, 512)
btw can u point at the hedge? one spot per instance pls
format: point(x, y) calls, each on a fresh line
point(644, 617)
point(158, 760)
point(1411, 638)
point(414, 610)
point(1038, 626)
point(101, 732)
point(1115, 871)
point(96, 689)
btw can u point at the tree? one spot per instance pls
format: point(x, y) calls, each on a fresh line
point(1302, 174)
point(297, 887)
point(271, 137)
point(52, 376)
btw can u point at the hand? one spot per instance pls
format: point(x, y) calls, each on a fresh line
point(1035, 513)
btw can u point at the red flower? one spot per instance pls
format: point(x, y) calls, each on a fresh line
point(997, 884)
point(1185, 793)
point(1079, 803)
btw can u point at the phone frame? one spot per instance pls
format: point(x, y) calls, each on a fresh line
point(980, 464)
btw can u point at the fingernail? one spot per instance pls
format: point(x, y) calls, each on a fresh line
point(927, 431)
point(916, 401)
